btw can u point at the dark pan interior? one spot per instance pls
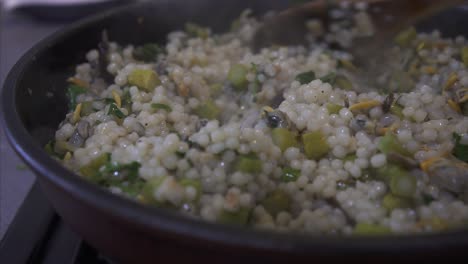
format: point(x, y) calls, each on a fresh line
point(34, 93)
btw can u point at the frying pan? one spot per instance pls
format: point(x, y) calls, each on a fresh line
point(33, 103)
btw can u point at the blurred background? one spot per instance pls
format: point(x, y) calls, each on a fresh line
point(22, 24)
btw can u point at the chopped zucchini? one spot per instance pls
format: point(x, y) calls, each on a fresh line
point(149, 189)
point(333, 108)
point(400, 181)
point(315, 145)
point(92, 170)
point(305, 77)
point(237, 75)
point(208, 109)
point(391, 201)
point(249, 163)
point(240, 217)
point(87, 108)
point(144, 79)
point(343, 83)
point(276, 202)
point(389, 143)
point(284, 138)
point(196, 184)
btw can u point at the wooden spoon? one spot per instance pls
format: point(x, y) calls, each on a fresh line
point(388, 16)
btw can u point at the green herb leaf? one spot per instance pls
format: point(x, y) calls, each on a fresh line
point(116, 172)
point(329, 78)
point(158, 106)
point(195, 30)
point(72, 93)
point(115, 111)
point(305, 77)
point(460, 151)
point(290, 174)
point(148, 52)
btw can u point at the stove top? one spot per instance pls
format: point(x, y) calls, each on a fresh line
point(38, 235)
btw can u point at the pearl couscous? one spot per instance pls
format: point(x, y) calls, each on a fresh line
point(282, 139)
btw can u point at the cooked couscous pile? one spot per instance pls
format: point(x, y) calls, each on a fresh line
point(283, 139)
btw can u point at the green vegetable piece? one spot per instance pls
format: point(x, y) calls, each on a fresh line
point(389, 143)
point(276, 202)
point(334, 108)
point(115, 111)
point(158, 106)
point(315, 145)
point(148, 52)
point(150, 188)
point(116, 172)
point(305, 77)
point(198, 31)
point(133, 188)
point(397, 110)
point(126, 99)
point(350, 157)
point(87, 108)
point(329, 78)
point(196, 184)
point(343, 82)
point(208, 109)
point(284, 138)
point(249, 163)
point(403, 184)
point(256, 84)
point(92, 170)
point(371, 229)
point(290, 174)
point(386, 172)
point(405, 37)
point(216, 89)
point(144, 79)
point(49, 148)
point(464, 108)
point(460, 151)
point(241, 217)
point(464, 55)
point(72, 93)
point(391, 201)
point(237, 76)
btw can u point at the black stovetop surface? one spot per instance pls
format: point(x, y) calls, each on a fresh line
point(38, 235)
